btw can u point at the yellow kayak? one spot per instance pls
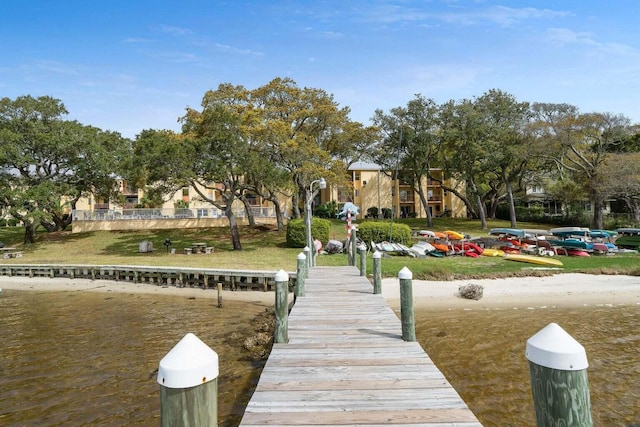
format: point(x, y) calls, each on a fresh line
point(453, 235)
point(533, 259)
point(492, 252)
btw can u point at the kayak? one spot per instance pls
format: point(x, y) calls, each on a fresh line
point(532, 259)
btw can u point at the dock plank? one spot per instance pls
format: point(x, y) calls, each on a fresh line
point(346, 365)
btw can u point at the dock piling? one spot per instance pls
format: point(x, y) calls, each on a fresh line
point(188, 378)
point(362, 251)
point(300, 274)
point(281, 334)
point(377, 272)
point(406, 305)
point(559, 384)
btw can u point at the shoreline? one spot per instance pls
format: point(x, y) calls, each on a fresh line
point(559, 290)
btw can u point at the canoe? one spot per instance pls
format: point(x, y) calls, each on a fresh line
point(454, 235)
point(426, 233)
point(532, 259)
point(516, 232)
point(628, 241)
point(570, 231)
point(577, 252)
point(573, 244)
point(492, 252)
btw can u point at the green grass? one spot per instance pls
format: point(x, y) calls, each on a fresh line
point(265, 249)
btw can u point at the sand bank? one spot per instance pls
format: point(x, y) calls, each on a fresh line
point(570, 289)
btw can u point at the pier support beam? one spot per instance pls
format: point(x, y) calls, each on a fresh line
point(559, 384)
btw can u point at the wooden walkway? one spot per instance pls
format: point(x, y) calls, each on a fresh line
point(346, 364)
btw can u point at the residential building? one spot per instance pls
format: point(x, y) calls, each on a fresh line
point(373, 188)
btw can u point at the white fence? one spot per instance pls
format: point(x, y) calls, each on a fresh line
point(158, 214)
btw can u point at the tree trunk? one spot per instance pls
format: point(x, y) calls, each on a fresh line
point(29, 231)
point(425, 204)
point(279, 216)
point(597, 210)
point(233, 227)
point(249, 211)
point(512, 206)
point(481, 214)
point(296, 205)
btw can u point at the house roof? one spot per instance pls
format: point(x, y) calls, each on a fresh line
point(364, 166)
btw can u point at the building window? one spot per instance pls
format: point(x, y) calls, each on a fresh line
point(357, 176)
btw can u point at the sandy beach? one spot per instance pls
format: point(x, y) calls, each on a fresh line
point(569, 289)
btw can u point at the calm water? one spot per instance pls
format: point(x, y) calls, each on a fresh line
point(73, 358)
point(90, 359)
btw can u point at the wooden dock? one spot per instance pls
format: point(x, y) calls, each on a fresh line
point(346, 364)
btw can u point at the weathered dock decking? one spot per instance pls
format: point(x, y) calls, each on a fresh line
point(346, 364)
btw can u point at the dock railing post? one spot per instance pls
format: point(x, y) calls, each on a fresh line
point(406, 305)
point(354, 249)
point(188, 378)
point(377, 272)
point(559, 384)
point(281, 334)
point(300, 274)
point(362, 251)
point(307, 253)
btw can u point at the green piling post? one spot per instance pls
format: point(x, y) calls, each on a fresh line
point(559, 384)
point(307, 253)
point(188, 378)
point(362, 251)
point(377, 272)
point(281, 334)
point(354, 249)
point(406, 305)
point(300, 274)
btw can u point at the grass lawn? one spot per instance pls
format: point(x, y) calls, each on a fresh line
point(266, 249)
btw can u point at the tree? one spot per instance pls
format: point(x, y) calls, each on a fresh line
point(306, 134)
point(505, 141)
point(49, 163)
point(620, 177)
point(579, 144)
point(411, 142)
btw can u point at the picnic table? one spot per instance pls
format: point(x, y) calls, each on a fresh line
point(10, 253)
point(198, 248)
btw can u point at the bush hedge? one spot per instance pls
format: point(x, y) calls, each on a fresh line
point(377, 231)
point(296, 232)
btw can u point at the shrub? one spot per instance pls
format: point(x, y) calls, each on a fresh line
point(326, 210)
point(372, 212)
point(377, 231)
point(296, 232)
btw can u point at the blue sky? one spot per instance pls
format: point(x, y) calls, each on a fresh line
point(127, 65)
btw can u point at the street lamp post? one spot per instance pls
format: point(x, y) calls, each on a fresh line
point(322, 184)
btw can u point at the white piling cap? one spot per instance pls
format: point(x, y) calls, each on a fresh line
point(377, 255)
point(306, 249)
point(554, 348)
point(301, 255)
point(190, 363)
point(405, 273)
point(282, 276)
